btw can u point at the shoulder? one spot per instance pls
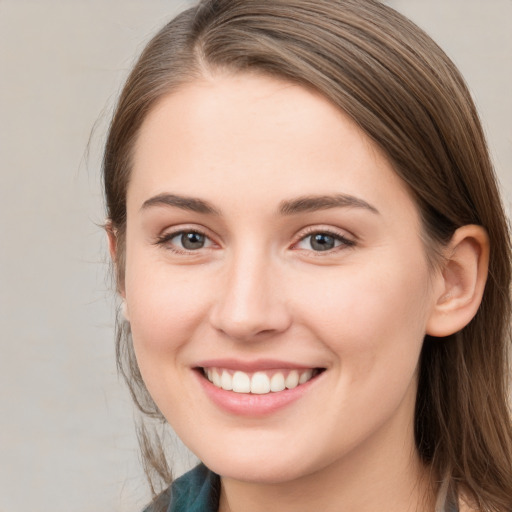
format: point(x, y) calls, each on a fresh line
point(195, 491)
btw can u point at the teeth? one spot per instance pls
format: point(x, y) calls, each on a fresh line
point(277, 382)
point(216, 378)
point(305, 376)
point(258, 383)
point(226, 381)
point(292, 381)
point(241, 383)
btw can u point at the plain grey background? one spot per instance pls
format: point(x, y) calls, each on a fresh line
point(67, 441)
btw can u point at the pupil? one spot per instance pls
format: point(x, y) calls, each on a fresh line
point(322, 242)
point(192, 240)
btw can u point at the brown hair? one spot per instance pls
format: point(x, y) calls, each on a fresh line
point(405, 93)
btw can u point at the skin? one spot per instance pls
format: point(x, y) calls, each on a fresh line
point(259, 290)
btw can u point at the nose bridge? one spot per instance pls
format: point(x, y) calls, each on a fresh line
point(251, 302)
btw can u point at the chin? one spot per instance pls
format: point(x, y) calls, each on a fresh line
point(262, 475)
point(258, 469)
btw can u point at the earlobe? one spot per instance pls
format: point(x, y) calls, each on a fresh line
point(462, 281)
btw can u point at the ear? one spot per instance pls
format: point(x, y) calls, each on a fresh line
point(114, 255)
point(112, 240)
point(461, 281)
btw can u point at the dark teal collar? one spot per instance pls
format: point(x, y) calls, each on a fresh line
point(195, 491)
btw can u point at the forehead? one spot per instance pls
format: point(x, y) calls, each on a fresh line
point(243, 137)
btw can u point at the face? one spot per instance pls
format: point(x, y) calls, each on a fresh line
point(272, 250)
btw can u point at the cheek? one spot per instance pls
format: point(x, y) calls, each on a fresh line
point(167, 310)
point(373, 317)
point(373, 322)
point(165, 304)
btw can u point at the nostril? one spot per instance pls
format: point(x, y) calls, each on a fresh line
point(255, 327)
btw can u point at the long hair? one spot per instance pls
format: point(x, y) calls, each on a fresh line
point(409, 98)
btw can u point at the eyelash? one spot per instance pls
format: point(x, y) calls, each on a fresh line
point(345, 243)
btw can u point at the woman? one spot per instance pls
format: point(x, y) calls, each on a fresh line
point(314, 263)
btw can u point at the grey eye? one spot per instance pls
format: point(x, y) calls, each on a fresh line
point(322, 242)
point(191, 240)
point(185, 242)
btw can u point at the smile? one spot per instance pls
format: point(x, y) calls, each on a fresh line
point(260, 382)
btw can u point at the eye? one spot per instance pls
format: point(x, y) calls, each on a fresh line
point(185, 241)
point(322, 241)
point(191, 241)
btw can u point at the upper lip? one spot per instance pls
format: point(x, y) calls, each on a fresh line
point(253, 366)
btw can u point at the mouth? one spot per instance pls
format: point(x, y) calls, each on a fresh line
point(260, 382)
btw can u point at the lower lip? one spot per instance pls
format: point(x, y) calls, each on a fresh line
point(248, 404)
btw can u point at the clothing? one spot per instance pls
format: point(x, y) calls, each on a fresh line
point(199, 491)
point(195, 491)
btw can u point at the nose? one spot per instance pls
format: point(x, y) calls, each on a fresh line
point(252, 303)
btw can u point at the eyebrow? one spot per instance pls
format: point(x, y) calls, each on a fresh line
point(288, 207)
point(323, 202)
point(185, 203)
